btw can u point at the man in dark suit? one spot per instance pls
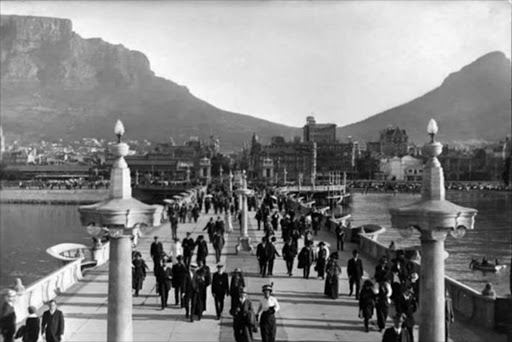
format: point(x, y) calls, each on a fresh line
point(188, 245)
point(156, 251)
point(202, 249)
point(220, 289)
point(163, 275)
point(188, 296)
point(263, 254)
point(396, 333)
point(206, 272)
point(272, 253)
point(179, 270)
point(355, 272)
point(218, 245)
point(53, 323)
point(244, 320)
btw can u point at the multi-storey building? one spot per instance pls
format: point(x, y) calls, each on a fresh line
point(307, 161)
point(319, 133)
point(393, 141)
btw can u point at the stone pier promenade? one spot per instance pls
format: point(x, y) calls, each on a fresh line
point(305, 315)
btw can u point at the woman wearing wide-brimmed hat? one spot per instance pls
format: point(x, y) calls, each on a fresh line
point(333, 271)
point(268, 306)
point(366, 303)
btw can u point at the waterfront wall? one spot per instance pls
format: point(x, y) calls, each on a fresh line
point(74, 196)
point(47, 288)
point(467, 302)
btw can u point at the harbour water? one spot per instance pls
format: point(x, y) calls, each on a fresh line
point(491, 237)
point(27, 230)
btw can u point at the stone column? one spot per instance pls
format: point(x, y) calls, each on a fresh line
point(244, 241)
point(432, 287)
point(119, 327)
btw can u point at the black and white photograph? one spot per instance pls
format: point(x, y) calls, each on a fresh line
point(261, 170)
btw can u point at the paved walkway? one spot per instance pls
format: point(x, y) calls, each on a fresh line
point(305, 315)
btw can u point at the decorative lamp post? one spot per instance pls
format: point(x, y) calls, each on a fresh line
point(244, 241)
point(434, 217)
point(301, 176)
point(284, 176)
point(119, 214)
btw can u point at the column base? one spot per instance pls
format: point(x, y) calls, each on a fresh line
point(244, 245)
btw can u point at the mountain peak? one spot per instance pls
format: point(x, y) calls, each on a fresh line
point(472, 103)
point(490, 65)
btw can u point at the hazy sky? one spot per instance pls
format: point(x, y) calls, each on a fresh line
point(283, 60)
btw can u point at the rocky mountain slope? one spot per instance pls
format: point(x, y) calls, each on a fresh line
point(471, 104)
point(55, 84)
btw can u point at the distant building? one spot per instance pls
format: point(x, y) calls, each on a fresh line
point(312, 160)
point(399, 169)
point(169, 161)
point(319, 133)
point(393, 142)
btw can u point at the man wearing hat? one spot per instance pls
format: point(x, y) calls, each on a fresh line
point(188, 245)
point(321, 259)
point(157, 252)
point(202, 249)
point(244, 319)
point(163, 274)
point(355, 272)
point(179, 271)
point(220, 289)
point(407, 306)
point(267, 308)
point(237, 283)
point(187, 300)
point(289, 252)
point(396, 332)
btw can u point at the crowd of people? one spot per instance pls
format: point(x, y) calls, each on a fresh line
point(182, 266)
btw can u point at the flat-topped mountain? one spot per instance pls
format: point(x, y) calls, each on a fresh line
point(55, 84)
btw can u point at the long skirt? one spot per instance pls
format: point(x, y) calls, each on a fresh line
point(268, 327)
point(331, 288)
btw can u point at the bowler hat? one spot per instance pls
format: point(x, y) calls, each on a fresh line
point(193, 265)
point(220, 266)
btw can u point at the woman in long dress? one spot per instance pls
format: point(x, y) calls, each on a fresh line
point(366, 303)
point(333, 271)
point(268, 306)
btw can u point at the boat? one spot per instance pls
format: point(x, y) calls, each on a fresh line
point(489, 267)
point(67, 252)
point(370, 230)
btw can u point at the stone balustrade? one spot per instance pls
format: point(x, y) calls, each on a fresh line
point(47, 288)
point(467, 302)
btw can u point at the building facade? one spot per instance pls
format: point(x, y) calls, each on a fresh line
point(311, 160)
